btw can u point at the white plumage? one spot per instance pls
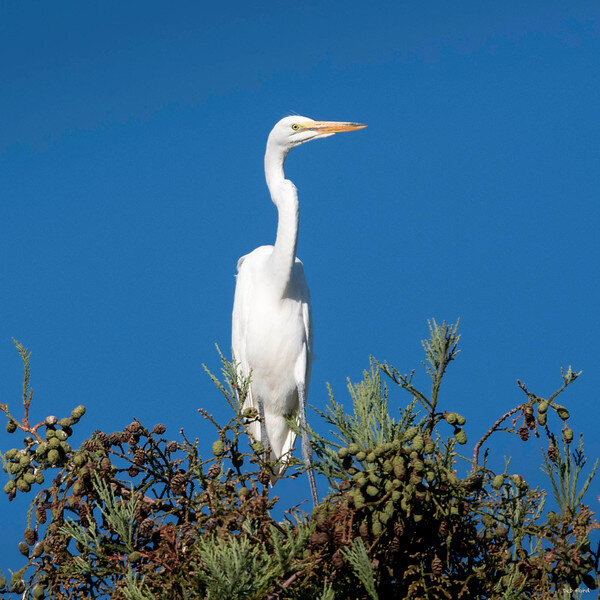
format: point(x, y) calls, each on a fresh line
point(272, 335)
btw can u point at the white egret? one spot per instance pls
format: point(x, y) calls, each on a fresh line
point(272, 333)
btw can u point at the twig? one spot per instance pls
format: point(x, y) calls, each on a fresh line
point(491, 430)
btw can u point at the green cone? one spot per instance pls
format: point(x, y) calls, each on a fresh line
point(410, 433)
point(460, 436)
point(78, 412)
point(218, 448)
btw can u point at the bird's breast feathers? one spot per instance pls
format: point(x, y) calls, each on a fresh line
point(274, 328)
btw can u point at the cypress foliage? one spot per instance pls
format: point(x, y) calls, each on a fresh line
point(135, 515)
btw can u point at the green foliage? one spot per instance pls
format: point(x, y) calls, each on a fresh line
point(232, 569)
point(237, 568)
point(134, 515)
point(135, 589)
point(234, 388)
point(370, 425)
point(357, 556)
point(440, 349)
point(119, 516)
point(564, 470)
point(328, 592)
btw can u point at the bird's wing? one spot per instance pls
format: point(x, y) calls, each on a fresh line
point(308, 325)
point(308, 328)
point(305, 360)
point(240, 318)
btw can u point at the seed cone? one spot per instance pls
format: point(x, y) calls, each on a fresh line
point(417, 444)
point(78, 412)
point(30, 536)
point(218, 448)
point(552, 453)
point(460, 436)
point(567, 435)
point(178, 483)
point(410, 433)
point(353, 449)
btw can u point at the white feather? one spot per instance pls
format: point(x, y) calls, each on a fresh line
point(270, 334)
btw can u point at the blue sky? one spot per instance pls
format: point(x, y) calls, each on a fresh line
point(131, 146)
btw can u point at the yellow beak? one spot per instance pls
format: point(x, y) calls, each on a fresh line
point(332, 126)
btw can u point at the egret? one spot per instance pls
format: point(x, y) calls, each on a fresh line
point(272, 335)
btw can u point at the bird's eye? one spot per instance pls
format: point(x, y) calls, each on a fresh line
point(295, 126)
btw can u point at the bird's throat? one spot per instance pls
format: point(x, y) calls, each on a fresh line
point(285, 198)
point(275, 156)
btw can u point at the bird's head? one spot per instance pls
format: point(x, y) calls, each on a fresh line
point(295, 130)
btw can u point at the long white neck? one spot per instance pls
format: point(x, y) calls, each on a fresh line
point(285, 198)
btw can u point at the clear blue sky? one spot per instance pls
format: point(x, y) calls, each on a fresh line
point(131, 145)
